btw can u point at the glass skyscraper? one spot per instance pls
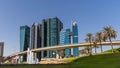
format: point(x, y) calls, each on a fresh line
point(35, 38)
point(24, 40)
point(75, 38)
point(46, 34)
point(50, 34)
point(67, 41)
point(65, 38)
point(62, 37)
point(61, 42)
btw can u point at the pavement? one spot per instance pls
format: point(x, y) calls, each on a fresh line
point(53, 61)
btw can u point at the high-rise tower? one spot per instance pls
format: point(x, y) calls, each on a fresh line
point(35, 38)
point(65, 38)
point(50, 34)
point(67, 41)
point(24, 40)
point(75, 38)
point(62, 37)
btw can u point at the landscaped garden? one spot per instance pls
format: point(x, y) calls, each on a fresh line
point(105, 60)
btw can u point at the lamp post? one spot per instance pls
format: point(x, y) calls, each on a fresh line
point(53, 54)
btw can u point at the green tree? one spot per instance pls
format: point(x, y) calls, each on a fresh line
point(100, 37)
point(109, 34)
point(95, 40)
point(89, 39)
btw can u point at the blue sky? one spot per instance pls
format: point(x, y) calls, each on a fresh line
point(90, 15)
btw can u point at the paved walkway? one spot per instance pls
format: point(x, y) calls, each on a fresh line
point(53, 61)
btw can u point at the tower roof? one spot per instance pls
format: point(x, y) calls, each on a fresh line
point(74, 23)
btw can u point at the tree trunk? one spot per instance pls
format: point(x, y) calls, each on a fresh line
point(101, 46)
point(90, 49)
point(95, 49)
point(111, 45)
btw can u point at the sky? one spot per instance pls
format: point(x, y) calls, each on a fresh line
point(90, 15)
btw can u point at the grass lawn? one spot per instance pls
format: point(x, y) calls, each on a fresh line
point(96, 61)
point(101, 60)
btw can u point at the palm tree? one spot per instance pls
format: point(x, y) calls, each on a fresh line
point(89, 39)
point(86, 39)
point(104, 37)
point(109, 34)
point(95, 40)
point(87, 48)
point(100, 38)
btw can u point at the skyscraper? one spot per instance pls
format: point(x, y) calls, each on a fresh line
point(61, 42)
point(67, 41)
point(35, 38)
point(50, 34)
point(75, 38)
point(62, 37)
point(65, 38)
point(24, 40)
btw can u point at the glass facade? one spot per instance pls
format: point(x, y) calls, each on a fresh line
point(61, 42)
point(50, 34)
point(75, 38)
point(35, 38)
point(24, 39)
point(66, 39)
point(62, 37)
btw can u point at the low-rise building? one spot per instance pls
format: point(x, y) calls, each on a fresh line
point(1, 51)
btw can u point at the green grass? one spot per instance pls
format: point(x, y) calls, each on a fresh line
point(71, 59)
point(99, 61)
point(104, 60)
point(116, 50)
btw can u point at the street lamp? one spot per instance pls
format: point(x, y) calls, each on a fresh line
point(53, 54)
